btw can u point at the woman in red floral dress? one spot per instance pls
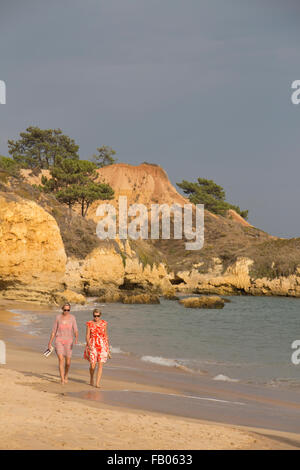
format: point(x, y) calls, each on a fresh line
point(97, 347)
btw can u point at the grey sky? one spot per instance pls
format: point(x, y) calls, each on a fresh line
point(201, 87)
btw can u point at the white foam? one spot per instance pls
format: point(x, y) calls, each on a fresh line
point(160, 360)
point(163, 361)
point(224, 378)
point(117, 350)
point(26, 319)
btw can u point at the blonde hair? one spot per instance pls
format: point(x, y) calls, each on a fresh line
point(97, 310)
point(66, 304)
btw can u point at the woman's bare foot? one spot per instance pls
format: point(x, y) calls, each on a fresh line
point(92, 382)
point(66, 380)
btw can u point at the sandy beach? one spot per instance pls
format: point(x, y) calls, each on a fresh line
point(37, 412)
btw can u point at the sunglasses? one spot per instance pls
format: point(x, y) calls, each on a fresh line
point(95, 316)
point(66, 309)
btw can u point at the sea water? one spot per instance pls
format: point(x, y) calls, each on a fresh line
point(249, 340)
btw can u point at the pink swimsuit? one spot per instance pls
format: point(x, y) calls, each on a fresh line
point(64, 328)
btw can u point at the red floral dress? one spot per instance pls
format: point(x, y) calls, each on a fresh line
point(99, 348)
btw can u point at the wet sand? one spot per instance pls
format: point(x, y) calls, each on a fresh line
point(140, 406)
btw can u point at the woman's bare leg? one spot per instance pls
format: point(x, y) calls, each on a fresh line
point(99, 373)
point(67, 367)
point(61, 368)
point(92, 371)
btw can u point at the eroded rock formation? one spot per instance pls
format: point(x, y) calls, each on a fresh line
point(34, 265)
point(32, 255)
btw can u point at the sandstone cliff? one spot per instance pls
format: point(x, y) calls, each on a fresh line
point(33, 259)
point(47, 256)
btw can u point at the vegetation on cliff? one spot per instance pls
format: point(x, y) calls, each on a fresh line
point(56, 179)
point(275, 258)
point(39, 148)
point(210, 194)
point(104, 156)
point(8, 167)
point(73, 181)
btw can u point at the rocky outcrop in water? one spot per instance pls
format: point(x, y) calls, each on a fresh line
point(68, 296)
point(140, 299)
point(203, 302)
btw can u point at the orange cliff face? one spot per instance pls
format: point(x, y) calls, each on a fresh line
point(32, 254)
point(144, 184)
point(233, 259)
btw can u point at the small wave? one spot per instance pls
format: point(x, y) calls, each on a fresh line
point(163, 361)
point(117, 350)
point(26, 318)
point(216, 362)
point(225, 378)
point(293, 383)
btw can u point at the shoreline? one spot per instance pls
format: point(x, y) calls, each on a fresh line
point(218, 368)
point(34, 375)
point(50, 417)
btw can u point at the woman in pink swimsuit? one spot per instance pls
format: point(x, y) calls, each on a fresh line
point(64, 328)
point(97, 347)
